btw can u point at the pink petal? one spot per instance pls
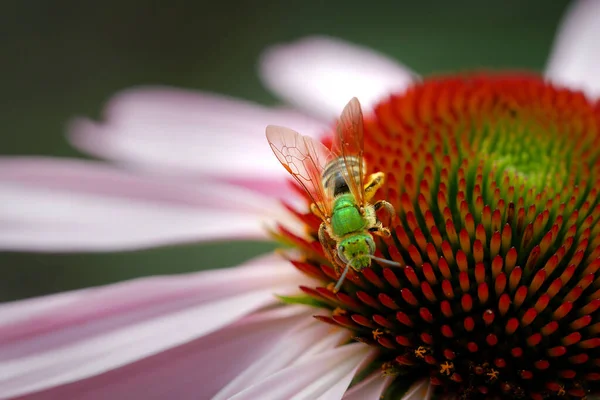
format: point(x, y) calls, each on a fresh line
point(92, 331)
point(309, 339)
point(324, 376)
point(320, 75)
point(194, 370)
point(575, 56)
point(160, 294)
point(172, 131)
point(371, 388)
point(419, 391)
point(74, 205)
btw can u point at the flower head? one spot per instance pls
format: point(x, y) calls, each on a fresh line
point(496, 180)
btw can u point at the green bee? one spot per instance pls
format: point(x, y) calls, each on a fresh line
point(335, 182)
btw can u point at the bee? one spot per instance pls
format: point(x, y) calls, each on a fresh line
point(335, 182)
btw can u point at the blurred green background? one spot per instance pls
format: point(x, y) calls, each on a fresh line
point(66, 58)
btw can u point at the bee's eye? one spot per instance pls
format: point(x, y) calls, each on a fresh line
point(341, 255)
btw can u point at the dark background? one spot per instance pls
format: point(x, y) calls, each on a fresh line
point(60, 59)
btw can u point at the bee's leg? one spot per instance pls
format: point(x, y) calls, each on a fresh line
point(375, 181)
point(326, 244)
point(379, 230)
point(389, 209)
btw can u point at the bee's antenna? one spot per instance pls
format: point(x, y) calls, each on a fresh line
point(384, 261)
point(341, 280)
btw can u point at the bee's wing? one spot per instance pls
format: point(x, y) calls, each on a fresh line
point(350, 143)
point(305, 159)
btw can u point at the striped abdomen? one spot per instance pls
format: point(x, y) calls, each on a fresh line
point(333, 175)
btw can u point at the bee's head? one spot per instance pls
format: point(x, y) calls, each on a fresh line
point(356, 250)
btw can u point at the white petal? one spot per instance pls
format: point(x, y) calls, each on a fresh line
point(96, 330)
point(369, 389)
point(171, 131)
point(575, 58)
point(70, 205)
point(320, 75)
point(326, 375)
point(196, 370)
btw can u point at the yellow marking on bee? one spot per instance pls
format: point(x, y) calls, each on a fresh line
point(375, 182)
point(447, 368)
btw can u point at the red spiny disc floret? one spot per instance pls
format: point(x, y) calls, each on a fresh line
point(495, 180)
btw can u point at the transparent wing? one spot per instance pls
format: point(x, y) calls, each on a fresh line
point(305, 159)
point(350, 144)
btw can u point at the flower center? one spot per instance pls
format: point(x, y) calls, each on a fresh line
point(495, 181)
point(518, 154)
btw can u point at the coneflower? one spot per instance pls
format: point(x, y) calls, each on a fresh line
point(495, 179)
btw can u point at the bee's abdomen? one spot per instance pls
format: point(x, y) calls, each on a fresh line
point(333, 175)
